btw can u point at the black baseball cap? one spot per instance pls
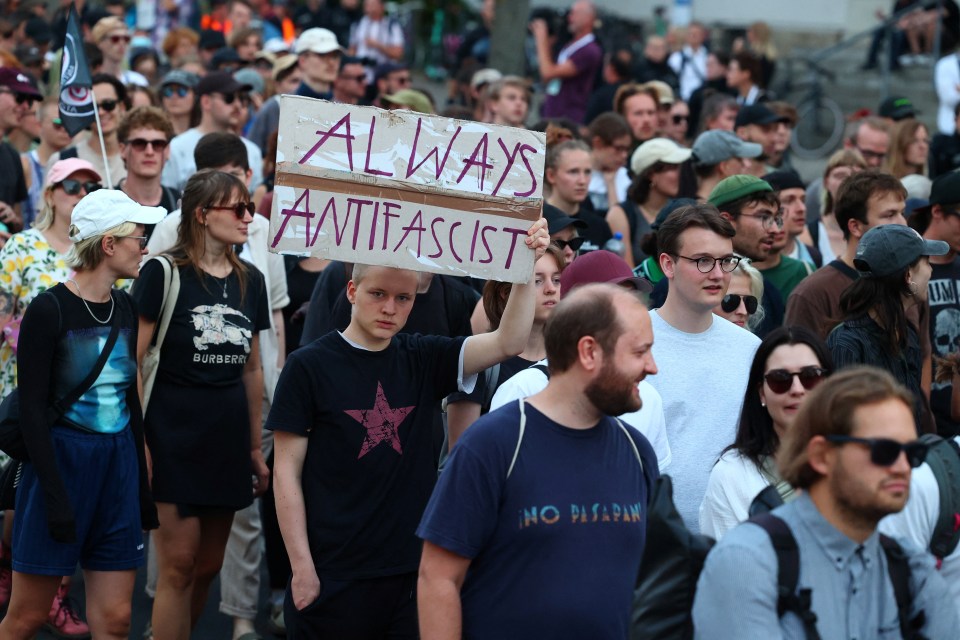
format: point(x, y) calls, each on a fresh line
point(757, 114)
point(557, 220)
point(219, 82)
point(897, 108)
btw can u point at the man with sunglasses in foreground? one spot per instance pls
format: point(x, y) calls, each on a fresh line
point(703, 359)
point(850, 450)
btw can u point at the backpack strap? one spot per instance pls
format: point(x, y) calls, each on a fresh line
point(943, 456)
point(633, 445)
point(788, 573)
point(898, 567)
point(523, 426)
point(490, 377)
point(542, 368)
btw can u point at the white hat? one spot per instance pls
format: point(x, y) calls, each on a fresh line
point(105, 209)
point(657, 150)
point(317, 40)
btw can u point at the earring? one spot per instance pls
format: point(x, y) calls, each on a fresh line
point(762, 403)
point(913, 288)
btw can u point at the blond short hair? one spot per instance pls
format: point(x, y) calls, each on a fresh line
point(107, 25)
point(87, 254)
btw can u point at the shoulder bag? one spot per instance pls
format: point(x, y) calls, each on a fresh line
point(151, 360)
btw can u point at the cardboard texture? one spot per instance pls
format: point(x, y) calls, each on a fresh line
point(404, 189)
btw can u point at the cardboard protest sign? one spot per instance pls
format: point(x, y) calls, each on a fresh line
point(405, 189)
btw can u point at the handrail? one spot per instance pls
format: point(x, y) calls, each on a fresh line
point(887, 25)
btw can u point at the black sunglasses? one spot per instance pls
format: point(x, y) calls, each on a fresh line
point(180, 90)
point(677, 119)
point(21, 97)
point(72, 187)
point(574, 244)
point(228, 98)
point(731, 302)
point(884, 452)
point(240, 209)
point(108, 105)
point(781, 380)
point(140, 144)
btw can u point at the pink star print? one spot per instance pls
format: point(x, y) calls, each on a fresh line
point(381, 423)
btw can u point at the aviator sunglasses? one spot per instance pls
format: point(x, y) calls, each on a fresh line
point(884, 452)
point(731, 302)
point(780, 380)
point(240, 209)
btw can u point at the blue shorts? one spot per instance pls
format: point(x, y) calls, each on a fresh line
point(101, 475)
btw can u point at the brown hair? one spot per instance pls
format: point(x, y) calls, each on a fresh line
point(495, 293)
point(494, 89)
point(829, 410)
point(204, 188)
point(785, 110)
point(842, 158)
point(175, 36)
point(901, 138)
point(608, 127)
point(631, 89)
point(700, 216)
point(145, 118)
point(239, 36)
point(854, 195)
point(588, 311)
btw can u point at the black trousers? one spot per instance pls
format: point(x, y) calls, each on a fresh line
point(373, 609)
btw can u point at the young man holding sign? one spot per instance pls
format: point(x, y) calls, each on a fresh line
point(355, 453)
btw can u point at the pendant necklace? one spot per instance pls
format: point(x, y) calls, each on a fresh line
point(89, 310)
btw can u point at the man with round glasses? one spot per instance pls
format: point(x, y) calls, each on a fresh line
point(850, 449)
point(703, 359)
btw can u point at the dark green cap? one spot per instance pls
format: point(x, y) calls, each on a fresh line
point(736, 187)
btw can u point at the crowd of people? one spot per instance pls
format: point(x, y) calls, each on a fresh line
point(414, 454)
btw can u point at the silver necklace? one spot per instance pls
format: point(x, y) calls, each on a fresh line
point(89, 310)
point(225, 280)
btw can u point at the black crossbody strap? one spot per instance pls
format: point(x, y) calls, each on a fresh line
point(898, 567)
point(61, 406)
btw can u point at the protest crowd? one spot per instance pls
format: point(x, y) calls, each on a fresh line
point(644, 378)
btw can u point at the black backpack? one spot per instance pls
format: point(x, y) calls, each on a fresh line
point(943, 456)
point(799, 602)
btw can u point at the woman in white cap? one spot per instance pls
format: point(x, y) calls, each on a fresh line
point(83, 497)
point(656, 167)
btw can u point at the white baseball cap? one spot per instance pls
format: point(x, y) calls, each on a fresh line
point(657, 150)
point(102, 210)
point(317, 40)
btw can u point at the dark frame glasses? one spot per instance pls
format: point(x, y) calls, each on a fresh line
point(180, 90)
point(72, 187)
point(574, 243)
point(230, 98)
point(885, 452)
point(780, 380)
point(108, 105)
point(20, 97)
point(240, 209)
point(140, 144)
point(731, 302)
point(678, 118)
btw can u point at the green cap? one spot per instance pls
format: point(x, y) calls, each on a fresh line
point(736, 187)
point(411, 99)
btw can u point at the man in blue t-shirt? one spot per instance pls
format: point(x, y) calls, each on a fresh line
point(541, 512)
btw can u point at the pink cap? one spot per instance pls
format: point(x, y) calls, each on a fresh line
point(63, 168)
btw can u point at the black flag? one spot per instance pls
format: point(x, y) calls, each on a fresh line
point(76, 88)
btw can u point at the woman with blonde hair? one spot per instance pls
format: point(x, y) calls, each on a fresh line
point(742, 303)
point(84, 496)
point(203, 419)
point(567, 169)
point(909, 149)
point(825, 234)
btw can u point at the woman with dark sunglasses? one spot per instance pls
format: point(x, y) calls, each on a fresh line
point(788, 364)
point(203, 416)
point(741, 305)
point(893, 261)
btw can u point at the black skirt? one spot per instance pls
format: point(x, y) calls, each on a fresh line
point(199, 440)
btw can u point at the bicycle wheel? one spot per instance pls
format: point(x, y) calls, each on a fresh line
point(819, 128)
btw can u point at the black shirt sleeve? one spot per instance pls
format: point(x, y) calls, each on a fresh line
point(148, 290)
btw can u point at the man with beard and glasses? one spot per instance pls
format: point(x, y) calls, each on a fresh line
point(549, 488)
point(704, 359)
point(850, 449)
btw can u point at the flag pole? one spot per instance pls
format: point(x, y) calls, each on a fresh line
point(103, 146)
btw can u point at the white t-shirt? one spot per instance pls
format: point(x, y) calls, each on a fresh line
point(597, 189)
point(733, 484)
point(915, 524)
point(946, 78)
point(182, 165)
point(648, 420)
point(702, 378)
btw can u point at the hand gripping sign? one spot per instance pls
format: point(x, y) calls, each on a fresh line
point(405, 189)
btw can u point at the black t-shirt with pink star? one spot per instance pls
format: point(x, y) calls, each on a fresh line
point(371, 463)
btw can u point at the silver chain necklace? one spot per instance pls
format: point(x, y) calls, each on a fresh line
point(225, 281)
point(89, 310)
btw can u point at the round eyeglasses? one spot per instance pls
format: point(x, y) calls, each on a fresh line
point(705, 264)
